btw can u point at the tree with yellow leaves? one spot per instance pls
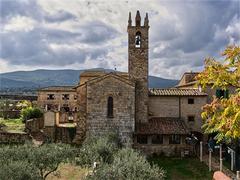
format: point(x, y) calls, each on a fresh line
point(222, 116)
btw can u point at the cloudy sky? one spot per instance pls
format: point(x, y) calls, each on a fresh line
point(79, 34)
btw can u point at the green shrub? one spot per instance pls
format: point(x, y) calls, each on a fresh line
point(97, 149)
point(43, 160)
point(18, 170)
point(128, 164)
point(30, 112)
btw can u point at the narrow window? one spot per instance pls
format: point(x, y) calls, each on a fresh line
point(175, 139)
point(49, 107)
point(110, 107)
point(50, 97)
point(191, 118)
point(142, 139)
point(157, 139)
point(75, 97)
point(190, 101)
point(138, 40)
point(65, 108)
point(65, 97)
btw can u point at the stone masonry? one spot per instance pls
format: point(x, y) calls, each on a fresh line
point(122, 122)
point(138, 64)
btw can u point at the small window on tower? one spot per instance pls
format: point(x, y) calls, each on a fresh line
point(138, 40)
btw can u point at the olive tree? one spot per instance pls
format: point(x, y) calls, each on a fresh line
point(97, 149)
point(127, 164)
point(42, 160)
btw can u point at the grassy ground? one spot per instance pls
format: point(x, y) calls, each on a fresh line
point(176, 169)
point(13, 125)
point(68, 172)
point(183, 169)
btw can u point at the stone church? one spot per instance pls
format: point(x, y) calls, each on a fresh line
point(153, 120)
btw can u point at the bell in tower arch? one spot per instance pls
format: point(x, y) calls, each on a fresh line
point(138, 40)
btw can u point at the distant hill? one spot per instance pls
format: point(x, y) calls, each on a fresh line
point(43, 78)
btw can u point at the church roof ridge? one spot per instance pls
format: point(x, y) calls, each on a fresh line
point(175, 92)
point(114, 74)
point(57, 88)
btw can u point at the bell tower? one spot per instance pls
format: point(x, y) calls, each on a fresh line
point(138, 64)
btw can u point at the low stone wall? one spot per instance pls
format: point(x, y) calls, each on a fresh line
point(50, 133)
point(34, 125)
point(65, 135)
point(64, 117)
point(9, 137)
point(10, 114)
point(165, 149)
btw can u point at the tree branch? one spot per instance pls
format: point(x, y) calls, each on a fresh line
point(45, 176)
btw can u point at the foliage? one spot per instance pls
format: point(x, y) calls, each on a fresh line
point(97, 149)
point(18, 170)
point(223, 115)
point(23, 104)
point(47, 158)
point(5, 106)
point(31, 112)
point(128, 164)
point(43, 160)
point(115, 162)
point(15, 125)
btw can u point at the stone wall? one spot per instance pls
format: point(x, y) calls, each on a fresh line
point(164, 106)
point(58, 102)
point(34, 125)
point(193, 110)
point(165, 148)
point(10, 114)
point(50, 133)
point(138, 67)
point(178, 107)
point(81, 116)
point(8, 137)
point(64, 117)
point(65, 135)
point(123, 93)
point(138, 72)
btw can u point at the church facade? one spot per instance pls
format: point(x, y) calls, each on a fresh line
point(153, 120)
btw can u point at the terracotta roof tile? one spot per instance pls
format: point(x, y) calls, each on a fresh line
point(160, 125)
point(175, 92)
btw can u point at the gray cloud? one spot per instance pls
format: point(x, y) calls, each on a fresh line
point(33, 47)
point(181, 34)
point(60, 16)
point(12, 8)
point(199, 32)
point(97, 32)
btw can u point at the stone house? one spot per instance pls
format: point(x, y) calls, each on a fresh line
point(62, 99)
point(152, 120)
point(188, 81)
